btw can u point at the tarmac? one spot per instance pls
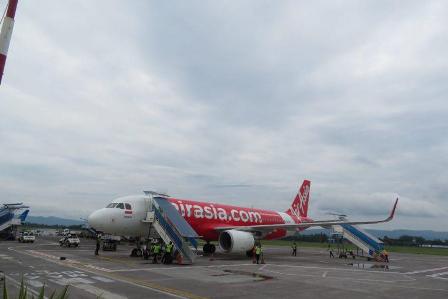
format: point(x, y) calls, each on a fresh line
point(312, 274)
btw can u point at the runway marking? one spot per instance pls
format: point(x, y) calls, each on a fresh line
point(426, 270)
point(437, 275)
point(35, 283)
point(139, 283)
point(344, 278)
point(17, 284)
point(337, 269)
point(102, 279)
point(262, 267)
point(180, 268)
point(100, 293)
point(71, 281)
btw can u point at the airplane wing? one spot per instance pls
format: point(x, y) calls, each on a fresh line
point(263, 228)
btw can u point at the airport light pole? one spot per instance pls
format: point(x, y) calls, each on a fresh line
point(5, 34)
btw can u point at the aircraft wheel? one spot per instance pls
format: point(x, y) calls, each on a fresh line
point(206, 248)
point(136, 252)
point(212, 248)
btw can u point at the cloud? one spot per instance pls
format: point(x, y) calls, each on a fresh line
point(230, 102)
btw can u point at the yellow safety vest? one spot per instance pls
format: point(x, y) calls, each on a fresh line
point(168, 248)
point(156, 249)
point(257, 250)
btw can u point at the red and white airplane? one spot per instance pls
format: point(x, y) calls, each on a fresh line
point(235, 228)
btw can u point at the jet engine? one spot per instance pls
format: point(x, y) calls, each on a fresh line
point(236, 241)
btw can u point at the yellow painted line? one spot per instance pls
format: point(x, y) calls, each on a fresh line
point(180, 293)
point(116, 260)
point(150, 285)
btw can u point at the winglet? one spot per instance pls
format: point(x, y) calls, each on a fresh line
point(392, 213)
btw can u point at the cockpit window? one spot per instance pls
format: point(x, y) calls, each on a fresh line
point(112, 205)
point(128, 206)
point(120, 206)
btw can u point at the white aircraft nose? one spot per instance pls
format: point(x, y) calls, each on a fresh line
point(96, 220)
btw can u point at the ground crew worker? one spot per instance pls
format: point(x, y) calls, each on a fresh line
point(145, 252)
point(167, 257)
point(331, 253)
point(258, 252)
point(294, 249)
point(98, 244)
point(386, 256)
point(156, 251)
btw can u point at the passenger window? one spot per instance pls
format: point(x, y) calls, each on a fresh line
point(128, 206)
point(120, 206)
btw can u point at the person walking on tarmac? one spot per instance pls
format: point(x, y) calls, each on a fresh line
point(258, 252)
point(98, 244)
point(294, 249)
point(167, 257)
point(386, 256)
point(156, 251)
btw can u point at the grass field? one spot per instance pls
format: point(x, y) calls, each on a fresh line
point(401, 249)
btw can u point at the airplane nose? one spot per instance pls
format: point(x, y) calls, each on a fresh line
point(94, 220)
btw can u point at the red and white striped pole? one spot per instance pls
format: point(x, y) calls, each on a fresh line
point(5, 34)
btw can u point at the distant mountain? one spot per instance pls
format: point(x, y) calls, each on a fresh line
point(53, 220)
point(427, 234)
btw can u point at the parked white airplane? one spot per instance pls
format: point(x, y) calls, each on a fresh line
point(235, 228)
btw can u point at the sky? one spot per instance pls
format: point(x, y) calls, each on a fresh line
point(234, 102)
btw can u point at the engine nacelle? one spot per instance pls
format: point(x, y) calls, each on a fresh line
point(236, 241)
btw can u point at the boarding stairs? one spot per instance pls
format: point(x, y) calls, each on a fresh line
point(6, 218)
point(360, 238)
point(172, 227)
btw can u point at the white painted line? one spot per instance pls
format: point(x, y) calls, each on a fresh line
point(103, 279)
point(337, 269)
point(180, 268)
point(437, 275)
point(325, 274)
point(426, 270)
point(35, 283)
point(17, 284)
point(262, 267)
point(101, 293)
point(90, 271)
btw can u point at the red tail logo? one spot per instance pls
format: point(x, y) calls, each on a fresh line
point(299, 206)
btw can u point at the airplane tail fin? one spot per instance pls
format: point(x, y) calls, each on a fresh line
point(24, 215)
point(299, 206)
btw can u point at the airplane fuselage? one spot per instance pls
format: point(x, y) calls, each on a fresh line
point(203, 217)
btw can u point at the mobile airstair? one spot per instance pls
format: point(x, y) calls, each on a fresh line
point(6, 218)
point(172, 227)
point(360, 238)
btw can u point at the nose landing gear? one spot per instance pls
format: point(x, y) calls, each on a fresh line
point(137, 252)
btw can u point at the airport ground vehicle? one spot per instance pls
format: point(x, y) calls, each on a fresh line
point(69, 241)
point(110, 242)
point(26, 237)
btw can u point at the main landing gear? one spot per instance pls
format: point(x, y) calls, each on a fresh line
point(209, 248)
